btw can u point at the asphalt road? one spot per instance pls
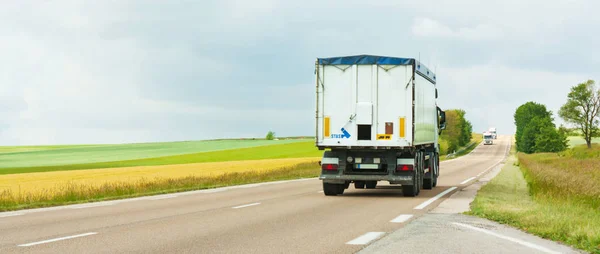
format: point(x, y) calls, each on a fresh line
point(292, 216)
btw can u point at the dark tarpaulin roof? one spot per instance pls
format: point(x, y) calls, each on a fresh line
point(379, 60)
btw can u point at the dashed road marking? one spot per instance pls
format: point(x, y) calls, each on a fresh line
point(243, 206)
point(57, 239)
point(431, 200)
point(366, 238)
point(402, 218)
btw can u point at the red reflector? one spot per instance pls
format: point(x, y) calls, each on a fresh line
point(329, 166)
point(404, 168)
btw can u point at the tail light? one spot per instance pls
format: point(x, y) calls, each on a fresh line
point(329, 167)
point(404, 168)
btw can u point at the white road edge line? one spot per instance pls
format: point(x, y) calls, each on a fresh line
point(431, 200)
point(162, 197)
point(215, 190)
point(10, 215)
point(528, 244)
point(91, 205)
point(402, 218)
point(468, 180)
point(366, 238)
point(320, 191)
point(57, 239)
point(242, 206)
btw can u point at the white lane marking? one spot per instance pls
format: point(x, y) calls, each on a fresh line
point(91, 205)
point(162, 197)
point(402, 218)
point(431, 200)
point(468, 180)
point(528, 244)
point(242, 206)
point(10, 215)
point(214, 190)
point(366, 238)
point(320, 191)
point(57, 239)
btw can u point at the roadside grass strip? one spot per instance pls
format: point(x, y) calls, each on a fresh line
point(554, 196)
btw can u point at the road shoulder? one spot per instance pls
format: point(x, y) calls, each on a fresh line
point(446, 230)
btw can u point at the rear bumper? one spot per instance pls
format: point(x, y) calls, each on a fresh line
point(404, 180)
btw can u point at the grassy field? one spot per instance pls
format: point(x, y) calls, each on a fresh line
point(14, 157)
point(298, 149)
point(33, 183)
point(80, 193)
point(577, 141)
point(48, 183)
point(555, 196)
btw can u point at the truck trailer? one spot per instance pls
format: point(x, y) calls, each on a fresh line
point(377, 119)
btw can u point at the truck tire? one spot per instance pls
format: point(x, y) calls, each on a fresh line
point(371, 184)
point(428, 182)
point(359, 184)
point(331, 189)
point(410, 190)
point(413, 189)
point(340, 189)
point(436, 163)
point(419, 170)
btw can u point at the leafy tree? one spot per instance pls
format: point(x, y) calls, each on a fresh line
point(458, 130)
point(582, 109)
point(523, 116)
point(550, 140)
point(270, 135)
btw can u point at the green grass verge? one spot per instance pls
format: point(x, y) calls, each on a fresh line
point(575, 141)
point(535, 197)
point(292, 150)
point(74, 194)
point(13, 157)
point(475, 141)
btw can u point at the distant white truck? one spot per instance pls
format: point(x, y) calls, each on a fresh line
point(492, 130)
point(378, 119)
point(488, 138)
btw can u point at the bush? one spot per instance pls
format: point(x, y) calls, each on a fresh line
point(270, 135)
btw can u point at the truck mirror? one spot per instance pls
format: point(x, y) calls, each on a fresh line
point(436, 93)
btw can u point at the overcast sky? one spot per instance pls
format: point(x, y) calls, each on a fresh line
point(137, 71)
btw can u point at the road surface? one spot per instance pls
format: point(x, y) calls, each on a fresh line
point(292, 216)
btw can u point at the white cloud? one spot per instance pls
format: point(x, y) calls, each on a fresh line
point(426, 27)
point(103, 72)
point(491, 93)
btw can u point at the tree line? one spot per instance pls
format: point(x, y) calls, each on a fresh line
point(458, 131)
point(536, 131)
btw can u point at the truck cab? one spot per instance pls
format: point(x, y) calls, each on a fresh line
point(488, 138)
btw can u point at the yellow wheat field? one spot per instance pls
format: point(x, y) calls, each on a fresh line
point(38, 182)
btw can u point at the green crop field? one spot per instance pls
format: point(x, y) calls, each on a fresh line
point(297, 149)
point(32, 156)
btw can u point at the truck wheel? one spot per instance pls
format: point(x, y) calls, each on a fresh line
point(371, 184)
point(436, 164)
point(331, 189)
point(419, 171)
point(340, 189)
point(411, 190)
point(428, 182)
point(359, 185)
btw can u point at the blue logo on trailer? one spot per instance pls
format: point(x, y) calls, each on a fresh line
point(344, 134)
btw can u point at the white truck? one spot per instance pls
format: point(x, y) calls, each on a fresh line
point(378, 120)
point(492, 131)
point(488, 138)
